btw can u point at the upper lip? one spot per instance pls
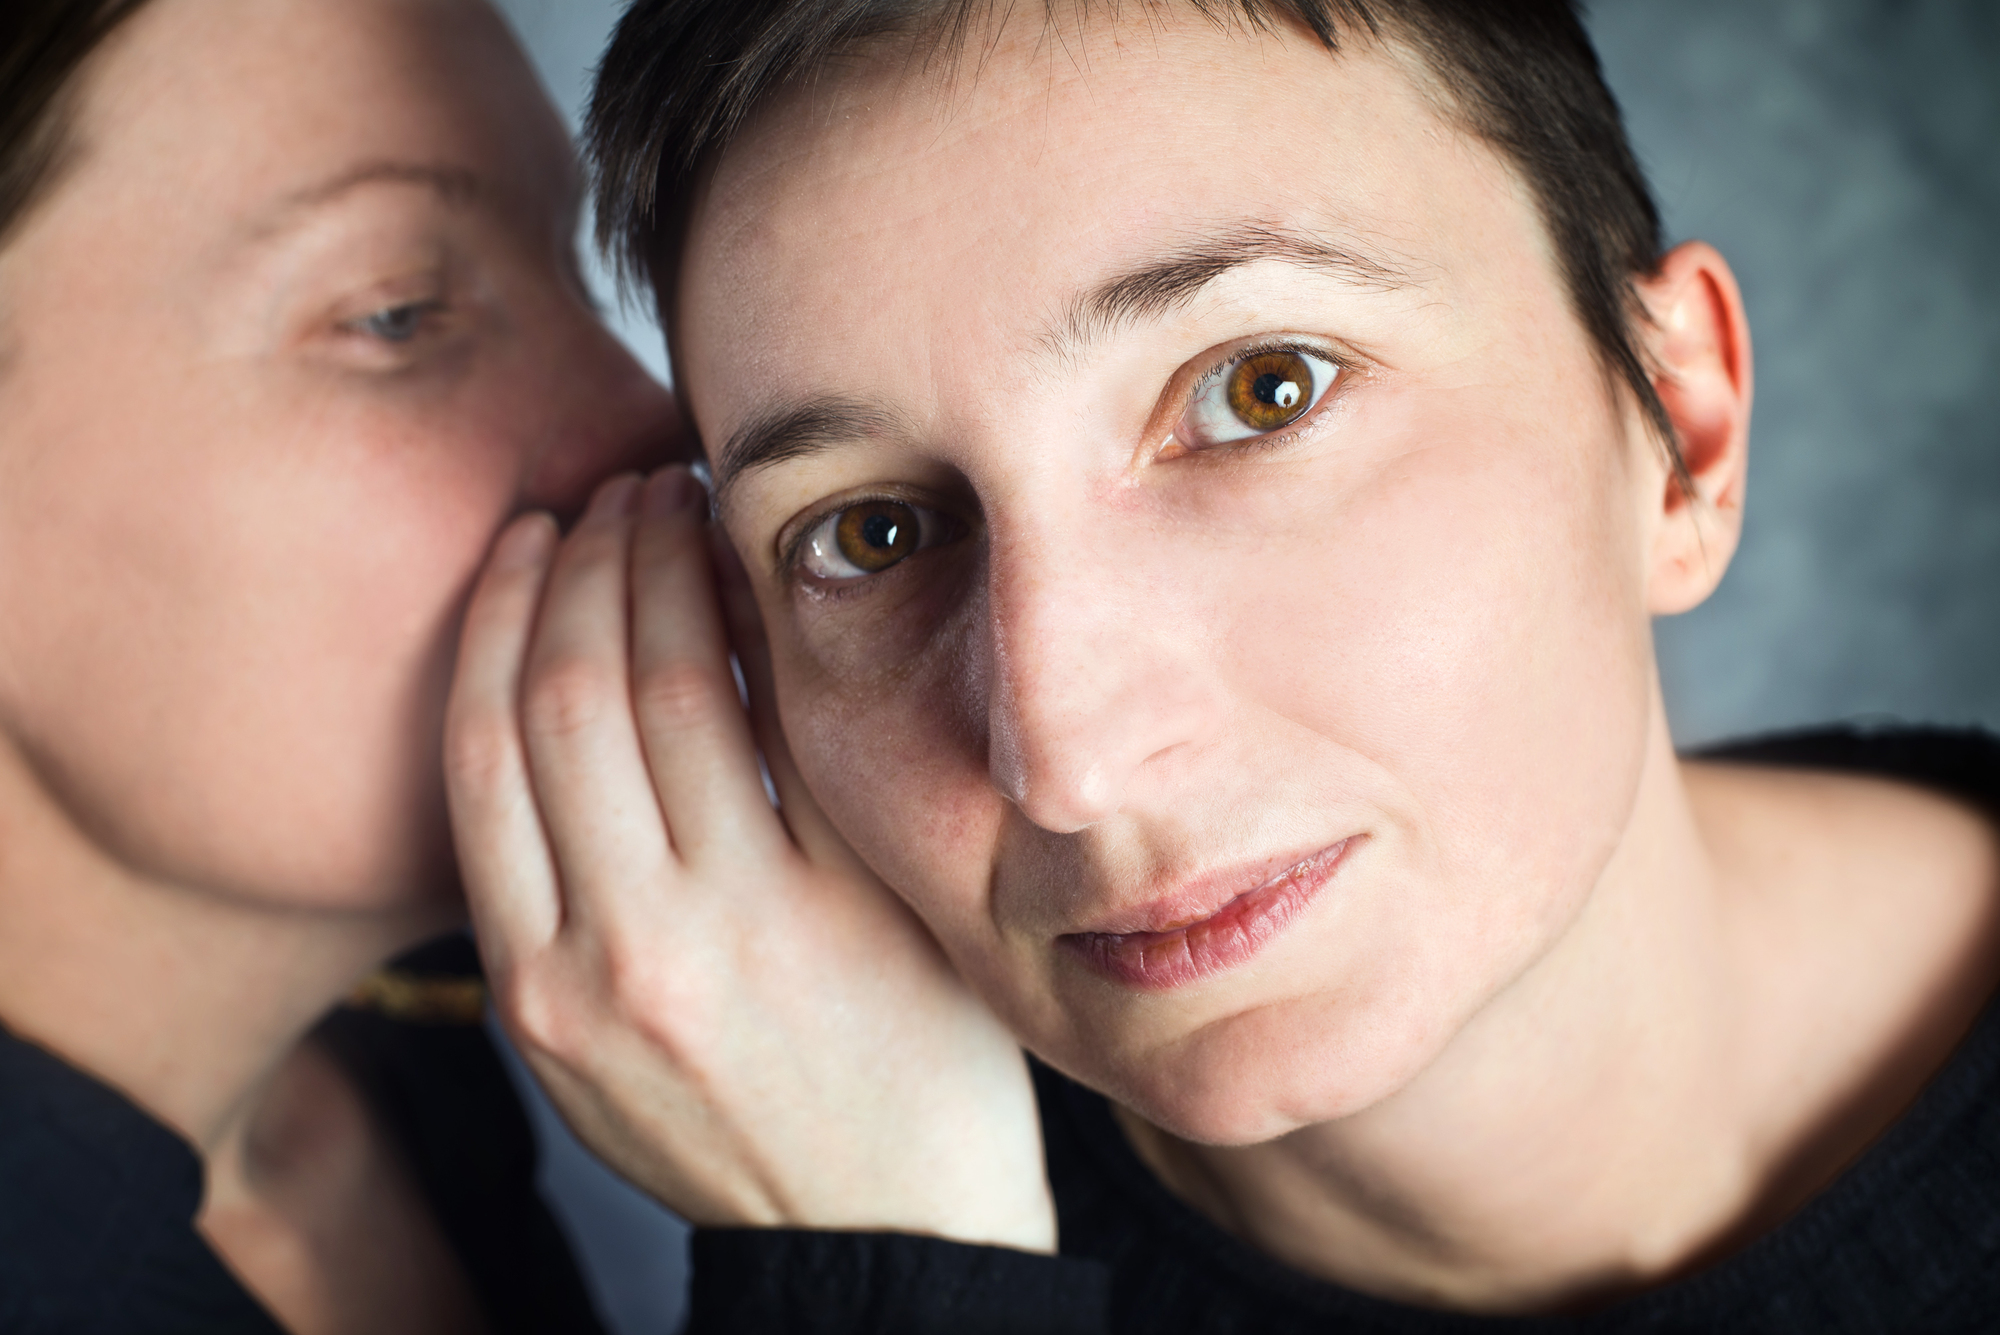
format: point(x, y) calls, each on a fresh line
point(1202, 896)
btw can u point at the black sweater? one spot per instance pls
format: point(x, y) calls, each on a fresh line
point(97, 1199)
point(1906, 1240)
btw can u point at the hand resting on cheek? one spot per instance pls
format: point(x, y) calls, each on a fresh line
point(719, 996)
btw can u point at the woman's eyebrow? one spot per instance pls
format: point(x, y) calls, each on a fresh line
point(795, 433)
point(1155, 287)
point(453, 185)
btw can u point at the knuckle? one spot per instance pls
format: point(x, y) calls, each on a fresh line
point(644, 995)
point(631, 978)
point(540, 1015)
point(675, 694)
point(478, 749)
point(569, 1017)
point(567, 695)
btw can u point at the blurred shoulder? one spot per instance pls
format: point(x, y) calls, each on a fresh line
point(1899, 817)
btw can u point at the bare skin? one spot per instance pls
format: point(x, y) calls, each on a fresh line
point(292, 335)
point(1570, 1018)
point(312, 1205)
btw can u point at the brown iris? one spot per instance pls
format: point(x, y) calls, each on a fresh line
point(876, 534)
point(1270, 390)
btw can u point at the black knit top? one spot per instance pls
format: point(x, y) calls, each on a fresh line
point(98, 1199)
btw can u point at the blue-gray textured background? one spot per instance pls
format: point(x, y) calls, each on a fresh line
point(1845, 156)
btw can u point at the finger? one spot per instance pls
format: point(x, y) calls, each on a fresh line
point(589, 775)
point(503, 854)
point(696, 736)
point(809, 827)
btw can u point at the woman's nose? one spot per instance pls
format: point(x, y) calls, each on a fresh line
point(1096, 671)
point(611, 417)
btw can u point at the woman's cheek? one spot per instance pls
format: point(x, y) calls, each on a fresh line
point(867, 637)
point(896, 759)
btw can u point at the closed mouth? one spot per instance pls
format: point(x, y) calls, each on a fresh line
point(1178, 953)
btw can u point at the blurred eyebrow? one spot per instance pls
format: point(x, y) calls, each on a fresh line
point(453, 185)
point(796, 433)
point(1158, 287)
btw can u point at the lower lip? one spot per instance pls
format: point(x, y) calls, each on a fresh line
point(1160, 961)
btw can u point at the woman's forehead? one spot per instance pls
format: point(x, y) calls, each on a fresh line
point(1029, 207)
point(247, 107)
point(1193, 114)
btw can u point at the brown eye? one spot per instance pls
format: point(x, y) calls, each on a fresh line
point(875, 535)
point(1270, 390)
point(1253, 395)
point(868, 537)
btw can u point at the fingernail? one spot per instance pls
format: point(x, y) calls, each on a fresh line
point(525, 543)
point(671, 491)
point(614, 499)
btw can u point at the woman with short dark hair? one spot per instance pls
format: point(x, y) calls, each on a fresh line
point(1203, 477)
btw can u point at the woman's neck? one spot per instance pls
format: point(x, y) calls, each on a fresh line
point(1692, 1060)
point(183, 998)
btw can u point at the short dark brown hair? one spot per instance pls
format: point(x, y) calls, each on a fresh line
point(43, 45)
point(681, 76)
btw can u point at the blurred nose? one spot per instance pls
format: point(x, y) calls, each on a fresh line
point(609, 415)
point(1097, 672)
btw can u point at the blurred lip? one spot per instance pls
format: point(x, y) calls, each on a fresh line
point(1212, 923)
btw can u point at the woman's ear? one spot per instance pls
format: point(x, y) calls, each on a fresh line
point(1699, 350)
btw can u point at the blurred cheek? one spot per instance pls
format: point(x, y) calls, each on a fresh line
point(236, 653)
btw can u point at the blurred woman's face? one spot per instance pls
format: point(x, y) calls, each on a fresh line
point(1205, 571)
point(296, 328)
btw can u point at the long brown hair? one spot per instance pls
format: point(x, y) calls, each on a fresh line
point(43, 45)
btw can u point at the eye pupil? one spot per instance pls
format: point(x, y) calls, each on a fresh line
point(879, 532)
point(1276, 390)
point(876, 534)
point(1270, 390)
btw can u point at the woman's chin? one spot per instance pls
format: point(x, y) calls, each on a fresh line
point(1227, 1088)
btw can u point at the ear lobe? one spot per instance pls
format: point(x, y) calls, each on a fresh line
point(1699, 345)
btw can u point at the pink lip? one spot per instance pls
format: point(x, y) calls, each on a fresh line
point(1171, 948)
